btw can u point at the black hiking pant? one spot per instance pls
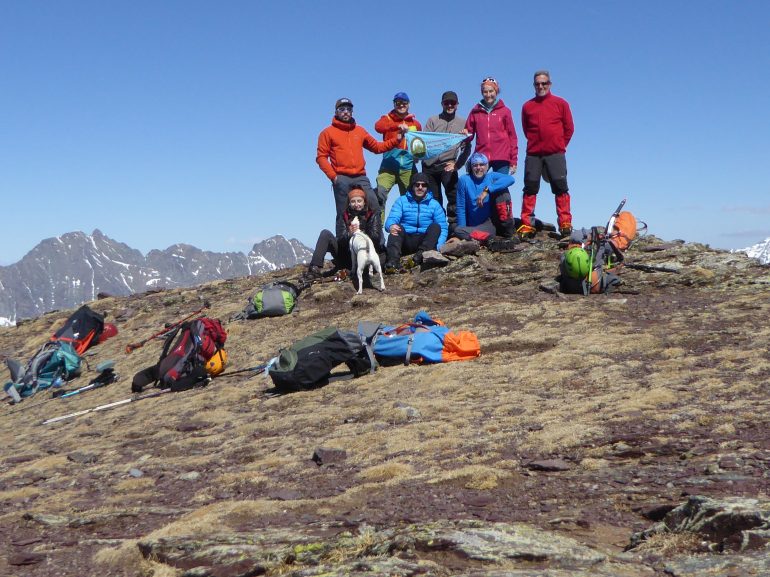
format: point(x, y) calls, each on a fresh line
point(404, 244)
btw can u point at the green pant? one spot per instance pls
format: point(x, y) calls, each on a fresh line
point(386, 180)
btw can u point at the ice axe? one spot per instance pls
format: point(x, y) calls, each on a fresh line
point(133, 346)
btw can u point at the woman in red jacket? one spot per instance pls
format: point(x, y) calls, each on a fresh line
point(491, 123)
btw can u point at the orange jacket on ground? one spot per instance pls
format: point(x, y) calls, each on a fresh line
point(341, 149)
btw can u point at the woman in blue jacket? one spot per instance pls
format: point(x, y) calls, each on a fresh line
point(416, 223)
point(483, 202)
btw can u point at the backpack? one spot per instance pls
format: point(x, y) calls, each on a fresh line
point(54, 363)
point(308, 363)
point(275, 299)
point(424, 340)
point(186, 350)
point(607, 252)
point(82, 329)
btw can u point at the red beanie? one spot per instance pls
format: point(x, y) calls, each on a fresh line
point(356, 192)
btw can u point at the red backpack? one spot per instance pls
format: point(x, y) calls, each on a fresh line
point(182, 363)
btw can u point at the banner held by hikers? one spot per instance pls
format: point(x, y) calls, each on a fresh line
point(422, 145)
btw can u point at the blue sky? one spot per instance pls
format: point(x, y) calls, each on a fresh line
point(189, 121)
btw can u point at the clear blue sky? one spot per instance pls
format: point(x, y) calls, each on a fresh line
point(189, 121)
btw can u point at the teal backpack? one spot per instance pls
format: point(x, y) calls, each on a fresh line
point(55, 363)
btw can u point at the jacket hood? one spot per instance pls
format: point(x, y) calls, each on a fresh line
point(337, 123)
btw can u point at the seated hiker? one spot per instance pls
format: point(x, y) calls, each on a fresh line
point(339, 246)
point(483, 202)
point(416, 223)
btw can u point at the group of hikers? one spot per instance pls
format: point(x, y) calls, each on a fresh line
point(478, 204)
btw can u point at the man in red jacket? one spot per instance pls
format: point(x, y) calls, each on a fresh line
point(340, 155)
point(547, 123)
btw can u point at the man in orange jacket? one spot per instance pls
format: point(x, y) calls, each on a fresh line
point(340, 156)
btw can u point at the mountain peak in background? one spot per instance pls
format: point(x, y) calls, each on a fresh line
point(759, 251)
point(65, 271)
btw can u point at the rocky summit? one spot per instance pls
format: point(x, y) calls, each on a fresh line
point(619, 435)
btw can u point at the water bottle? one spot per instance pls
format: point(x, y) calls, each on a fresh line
point(58, 382)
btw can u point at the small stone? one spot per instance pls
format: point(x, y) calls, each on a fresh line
point(191, 476)
point(327, 456)
point(548, 465)
point(84, 458)
point(135, 473)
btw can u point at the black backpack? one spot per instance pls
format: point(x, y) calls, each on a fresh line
point(308, 363)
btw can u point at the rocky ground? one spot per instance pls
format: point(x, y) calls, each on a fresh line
point(611, 435)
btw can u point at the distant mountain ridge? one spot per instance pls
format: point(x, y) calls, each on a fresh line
point(65, 271)
point(759, 251)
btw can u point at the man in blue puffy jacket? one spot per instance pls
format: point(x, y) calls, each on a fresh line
point(416, 223)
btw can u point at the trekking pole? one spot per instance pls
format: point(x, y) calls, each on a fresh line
point(259, 369)
point(107, 406)
point(106, 377)
point(613, 217)
point(133, 346)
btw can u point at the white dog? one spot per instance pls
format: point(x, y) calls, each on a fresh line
point(363, 253)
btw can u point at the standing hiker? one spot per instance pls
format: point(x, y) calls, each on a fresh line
point(339, 246)
point(547, 123)
point(340, 155)
point(491, 123)
point(397, 164)
point(443, 168)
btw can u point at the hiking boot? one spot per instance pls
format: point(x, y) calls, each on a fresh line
point(526, 232)
point(565, 231)
point(431, 258)
point(390, 269)
point(314, 272)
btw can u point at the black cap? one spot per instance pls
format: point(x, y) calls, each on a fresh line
point(343, 102)
point(449, 95)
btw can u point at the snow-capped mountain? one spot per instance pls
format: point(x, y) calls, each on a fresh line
point(759, 251)
point(66, 271)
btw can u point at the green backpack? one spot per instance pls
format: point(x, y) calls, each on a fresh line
point(275, 299)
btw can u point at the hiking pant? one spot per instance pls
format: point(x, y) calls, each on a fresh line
point(341, 187)
point(339, 248)
point(553, 168)
point(403, 243)
point(481, 232)
point(387, 179)
point(447, 179)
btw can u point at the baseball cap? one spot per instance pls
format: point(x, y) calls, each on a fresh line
point(401, 96)
point(343, 102)
point(449, 95)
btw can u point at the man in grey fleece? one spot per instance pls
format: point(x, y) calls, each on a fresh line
point(442, 169)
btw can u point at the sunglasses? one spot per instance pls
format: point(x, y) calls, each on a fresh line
point(543, 83)
point(449, 103)
point(400, 103)
point(345, 108)
point(478, 165)
point(489, 79)
point(421, 185)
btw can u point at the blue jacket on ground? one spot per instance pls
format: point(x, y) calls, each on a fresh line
point(469, 189)
point(415, 217)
